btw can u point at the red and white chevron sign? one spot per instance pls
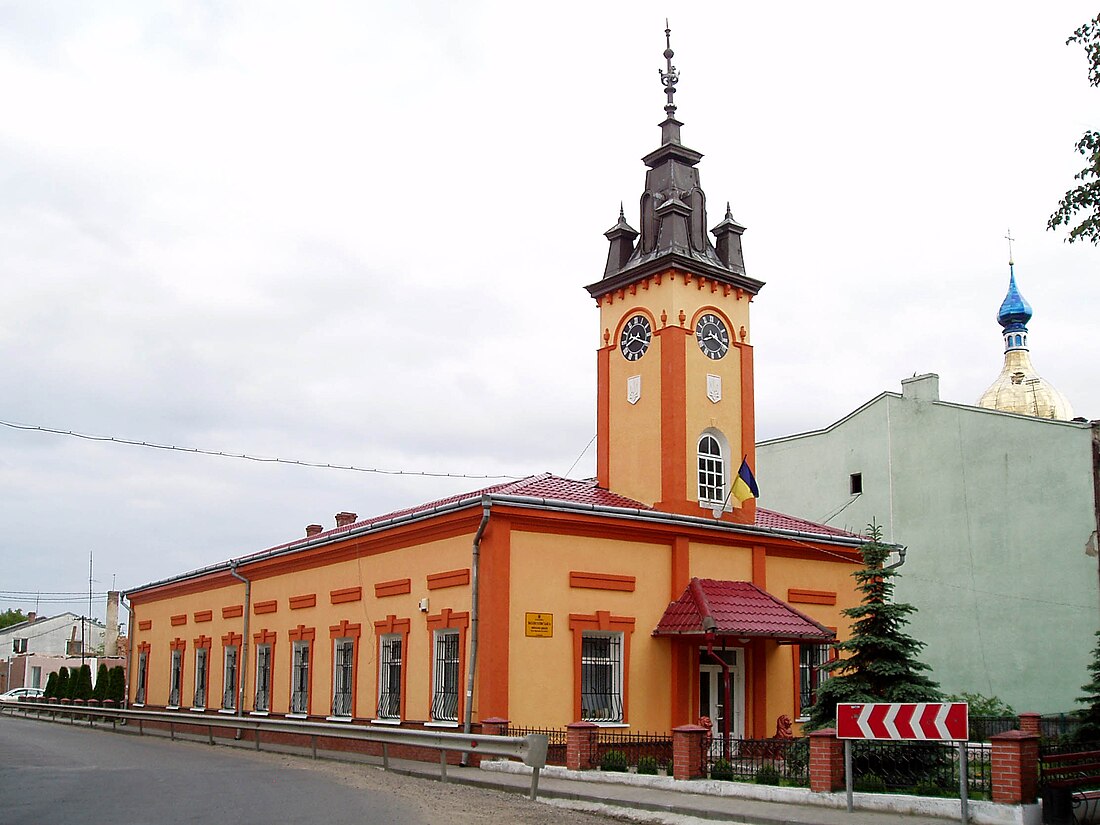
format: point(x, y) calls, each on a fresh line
point(930, 721)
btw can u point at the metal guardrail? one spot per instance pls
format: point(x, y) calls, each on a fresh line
point(530, 749)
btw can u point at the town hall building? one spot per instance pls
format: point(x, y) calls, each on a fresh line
point(648, 597)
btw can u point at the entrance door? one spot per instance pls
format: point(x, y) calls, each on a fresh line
point(712, 694)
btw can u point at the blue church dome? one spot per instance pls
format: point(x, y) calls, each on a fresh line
point(1014, 311)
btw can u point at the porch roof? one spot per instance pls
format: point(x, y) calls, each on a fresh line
point(727, 608)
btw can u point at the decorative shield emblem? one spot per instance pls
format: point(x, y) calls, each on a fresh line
point(634, 389)
point(714, 388)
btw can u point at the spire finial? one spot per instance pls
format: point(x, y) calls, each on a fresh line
point(622, 215)
point(1010, 239)
point(670, 77)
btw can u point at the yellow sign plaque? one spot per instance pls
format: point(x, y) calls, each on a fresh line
point(540, 624)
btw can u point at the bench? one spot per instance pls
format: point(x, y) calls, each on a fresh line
point(1071, 788)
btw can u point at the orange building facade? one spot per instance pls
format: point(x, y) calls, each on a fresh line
point(639, 599)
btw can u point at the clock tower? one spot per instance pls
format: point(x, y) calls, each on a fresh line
point(675, 379)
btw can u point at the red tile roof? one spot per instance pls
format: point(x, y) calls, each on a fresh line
point(737, 609)
point(781, 521)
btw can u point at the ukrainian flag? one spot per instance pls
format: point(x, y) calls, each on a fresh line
point(744, 486)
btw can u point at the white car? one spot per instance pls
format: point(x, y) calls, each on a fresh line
point(12, 697)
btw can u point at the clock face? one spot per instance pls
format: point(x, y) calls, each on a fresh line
point(712, 335)
point(635, 339)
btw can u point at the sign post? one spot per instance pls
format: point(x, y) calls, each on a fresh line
point(906, 721)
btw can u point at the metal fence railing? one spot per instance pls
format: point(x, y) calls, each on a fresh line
point(920, 768)
point(776, 761)
point(636, 749)
point(555, 741)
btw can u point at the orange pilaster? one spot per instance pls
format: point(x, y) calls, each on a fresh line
point(493, 623)
point(603, 418)
point(746, 513)
point(674, 420)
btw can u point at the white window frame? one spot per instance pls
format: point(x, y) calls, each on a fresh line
point(712, 469)
point(446, 675)
point(343, 676)
point(299, 678)
point(202, 672)
point(389, 675)
point(175, 681)
point(230, 675)
point(602, 658)
point(261, 702)
point(142, 672)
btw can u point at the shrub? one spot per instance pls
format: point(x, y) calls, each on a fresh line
point(980, 705)
point(99, 692)
point(51, 685)
point(768, 775)
point(870, 783)
point(926, 787)
point(721, 769)
point(61, 691)
point(82, 685)
point(116, 684)
point(648, 765)
point(613, 761)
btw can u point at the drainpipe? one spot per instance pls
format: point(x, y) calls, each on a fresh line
point(899, 562)
point(471, 669)
point(131, 627)
point(244, 640)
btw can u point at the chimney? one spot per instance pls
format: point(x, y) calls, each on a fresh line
point(313, 529)
point(31, 617)
point(110, 638)
point(345, 518)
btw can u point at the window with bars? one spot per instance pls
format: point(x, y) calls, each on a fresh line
point(299, 692)
point(343, 669)
point(200, 677)
point(389, 677)
point(712, 471)
point(602, 677)
point(229, 694)
point(810, 675)
point(142, 678)
point(445, 677)
point(263, 678)
point(175, 682)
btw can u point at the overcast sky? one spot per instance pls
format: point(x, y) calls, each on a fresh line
point(359, 233)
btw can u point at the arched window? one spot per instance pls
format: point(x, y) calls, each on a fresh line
point(712, 471)
point(1019, 340)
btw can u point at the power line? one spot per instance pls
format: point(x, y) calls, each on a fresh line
point(262, 459)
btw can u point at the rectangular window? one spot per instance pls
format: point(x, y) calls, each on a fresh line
point(229, 693)
point(343, 669)
point(602, 677)
point(712, 471)
point(36, 677)
point(810, 675)
point(299, 679)
point(445, 677)
point(200, 677)
point(142, 671)
point(176, 681)
point(855, 483)
point(389, 677)
point(263, 678)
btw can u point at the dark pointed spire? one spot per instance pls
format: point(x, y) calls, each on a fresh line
point(670, 77)
point(621, 237)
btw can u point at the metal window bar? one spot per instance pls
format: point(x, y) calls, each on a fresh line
point(200, 678)
point(143, 663)
point(601, 678)
point(229, 694)
point(263, 678)
point(342, 687)
point(177, 674)
point(389, 679)
point(811, 676)
point(711, 470)
point(445, 695)
point(299, 695)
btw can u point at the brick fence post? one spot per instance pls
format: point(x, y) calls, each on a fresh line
point(581, 746)
point(494, 726)
point(1031, 723)
point(687, 752)
point(1015, 769)
point(826, 761)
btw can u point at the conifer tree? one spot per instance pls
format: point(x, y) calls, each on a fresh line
point(51, 685)
point(879, 662)
point(62, 689)
point(116, 690)
point(1089, 716)
point(82, 683)
point(99, 692)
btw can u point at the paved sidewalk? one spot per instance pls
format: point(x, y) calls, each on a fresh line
point(656, 800)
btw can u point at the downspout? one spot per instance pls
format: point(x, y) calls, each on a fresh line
point(475, 560)
point(131, 626)
point(244, 640)
point(899, 562)
point(710, 626)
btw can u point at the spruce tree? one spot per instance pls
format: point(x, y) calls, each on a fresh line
point(1089, 716)
point(879, 662)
